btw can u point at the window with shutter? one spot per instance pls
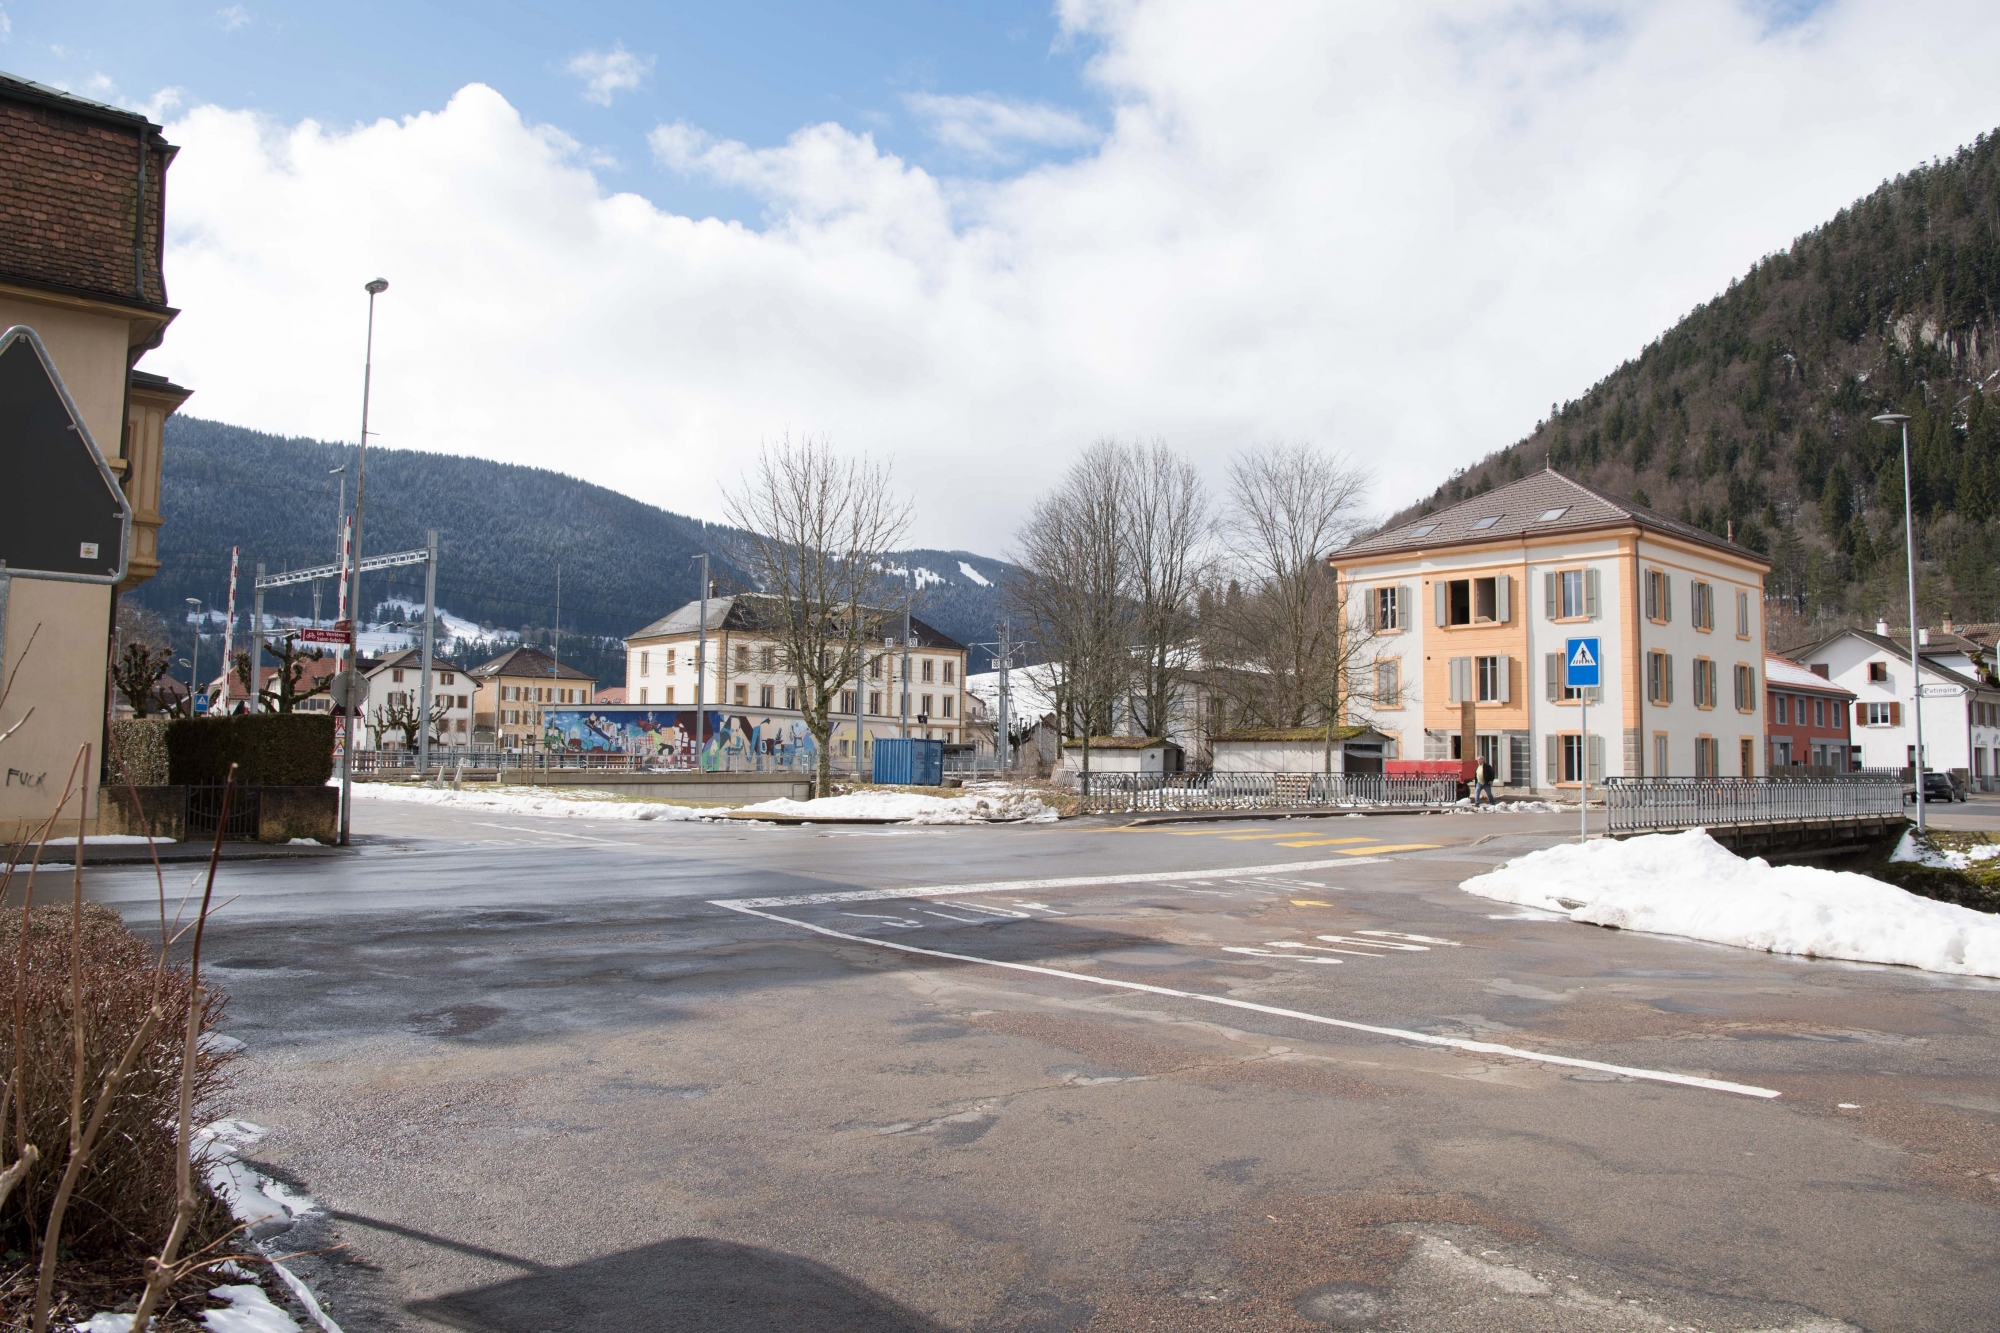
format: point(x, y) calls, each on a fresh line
point(1503, 599)
point(1896, 715)
point(1554, 665)
point(1442, 589)
point(1554, 760)
point(1590, 593)
point(1597, 759)
point(1549, 595)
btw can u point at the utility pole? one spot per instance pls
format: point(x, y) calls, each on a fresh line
point(1003, 751)
point(194, 658)
point(375, 287)
point(906, 670)
point(430, 622)
point(229, 631)
point(257, 636)
point(1916, 658)
point(700, 659)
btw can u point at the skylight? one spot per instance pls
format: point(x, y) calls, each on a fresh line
point(1551, 515)
point(1485, 523)
point(1424, 531)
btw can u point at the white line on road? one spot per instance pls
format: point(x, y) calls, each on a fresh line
point(1024, 885)
point(1400, 1034)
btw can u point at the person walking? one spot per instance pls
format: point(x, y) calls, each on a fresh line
point(1482, 781)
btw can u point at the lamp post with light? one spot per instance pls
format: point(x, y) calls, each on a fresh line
point(1902, 419)
point(375, 287)
point(194, 666)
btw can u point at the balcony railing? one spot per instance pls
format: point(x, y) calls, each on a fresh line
point(1644, 805)
point(1137, 793)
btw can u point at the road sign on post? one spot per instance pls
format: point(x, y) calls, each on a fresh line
point(1581, 673)
point(1580, 664)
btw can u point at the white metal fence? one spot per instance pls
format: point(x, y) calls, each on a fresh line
point(1640, 805)
point(1136, 793)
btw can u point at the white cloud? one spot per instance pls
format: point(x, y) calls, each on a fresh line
point(232, 18)
point(1399, 231)
point(605, 74)
point(6, 26)
point(992, 128)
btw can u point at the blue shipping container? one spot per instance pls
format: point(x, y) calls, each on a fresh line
point(912, 763)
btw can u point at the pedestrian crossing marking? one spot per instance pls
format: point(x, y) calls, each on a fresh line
point(1394, 847)
point(1582, 657)
point(1324, 842)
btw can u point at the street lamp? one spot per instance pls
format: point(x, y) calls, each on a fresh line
point(375, 287)
point(194, 669)
point(1902, 419)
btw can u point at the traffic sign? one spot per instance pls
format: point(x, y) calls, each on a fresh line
point(1580, 664)
point(62, 514)
point(348, 689)
point(201, 703)
point(318, 635)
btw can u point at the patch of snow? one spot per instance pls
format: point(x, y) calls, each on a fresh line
point(219, 1044)
point(105, 1321)
point(303, 842)
point(250, 1311)
point(974, 575)
point(1925, 852)
point(1465, 806)
point(1689, 885)
point(906, 807)
point(108, 840)
point(574, 803)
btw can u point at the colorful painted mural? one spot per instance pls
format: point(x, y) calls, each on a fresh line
point(665, 738)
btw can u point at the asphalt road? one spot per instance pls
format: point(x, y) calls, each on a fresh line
point(541, 1080)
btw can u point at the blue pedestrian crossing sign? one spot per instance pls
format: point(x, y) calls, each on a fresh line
point(1580, 664)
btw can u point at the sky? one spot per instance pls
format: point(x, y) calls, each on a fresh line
point(636, 243)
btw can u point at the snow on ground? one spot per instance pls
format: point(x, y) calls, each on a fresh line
point(113, 840)
point(1513, 808)
point(974, 575)
point(1688, 884)
point(265, 1207)
point(250, 1311)
point(572, 802)
point(1943, 858)
point(914, 808)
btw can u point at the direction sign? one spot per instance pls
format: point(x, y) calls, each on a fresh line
point(1580, 664)
point(318, 635)
point(62, 514)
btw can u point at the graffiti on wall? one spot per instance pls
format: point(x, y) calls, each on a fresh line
point(665, 738)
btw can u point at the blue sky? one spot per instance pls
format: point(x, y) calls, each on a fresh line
point(754, 70)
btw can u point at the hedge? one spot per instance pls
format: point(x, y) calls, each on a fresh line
point(138, 752)
point(269, 749)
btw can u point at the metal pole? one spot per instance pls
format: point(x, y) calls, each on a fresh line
point(430, 621)
point(229, 630)
point(257, 639)
point(1583, 764)
point(1916, 661)
point(1001, 751)
point(374, 288)
point(194, 656)
point(700, 659)
point(906, 671)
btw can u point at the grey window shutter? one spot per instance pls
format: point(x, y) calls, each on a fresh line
point(1439, 589)
point(1555, 662)
point(1554, 750)
point(1667, 679)
point(1596, 757)
point(1458, 691)
point(1652, 602)
point(1590, 593)
point(1666, 597)
point(1503, 598)
point(1406, 606)
point(1549, 594)
point(1506, 680)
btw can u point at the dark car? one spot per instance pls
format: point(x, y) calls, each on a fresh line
point(1938, 790)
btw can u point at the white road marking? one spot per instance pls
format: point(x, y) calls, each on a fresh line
point(1399, 1034)
point(1402, 935)
point(547, 833)
point(1288, 957)
point(1028, 885)
point(1397, 946)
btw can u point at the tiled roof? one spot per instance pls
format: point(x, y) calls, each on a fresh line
point(1901, 651)
point(1789, 674)
point(738, 612)
point(528, 662)
point(1296, 735)
point(1546, 501)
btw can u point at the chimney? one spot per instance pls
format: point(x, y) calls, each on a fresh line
point(1948, 625)
point(1924, 637)
point(1882, 628)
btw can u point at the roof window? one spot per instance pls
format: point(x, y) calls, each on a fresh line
point(1424, 531)
point(1486, 523)
point(1551, 515)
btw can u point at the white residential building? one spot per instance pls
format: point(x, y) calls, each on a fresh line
point(1476, 603)
point(1961, 712)
point(399, 677)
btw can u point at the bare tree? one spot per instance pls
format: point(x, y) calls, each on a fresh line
point(1167, 526)
point(291, 685)
point(400, 713)
point(816, 530)
point(145, 654)
point(1289, 648)
point(1074, 590)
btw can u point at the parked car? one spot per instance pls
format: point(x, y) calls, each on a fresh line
point(1939, 789)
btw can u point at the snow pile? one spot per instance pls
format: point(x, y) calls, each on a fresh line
point(136, 840)
point(905, 807)
point(572, 803)
point(266, 1208)
point(250, 1311)
point(1513, 807)
point(1687, 884)
point(1926, 852)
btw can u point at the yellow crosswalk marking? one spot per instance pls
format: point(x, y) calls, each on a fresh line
point(1324, 842)
point(1309, 902)
point(1394, 847)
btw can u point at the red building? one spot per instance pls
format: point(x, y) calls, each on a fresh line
point(1807, 720)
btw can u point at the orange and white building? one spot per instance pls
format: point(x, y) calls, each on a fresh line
point(1475, 603)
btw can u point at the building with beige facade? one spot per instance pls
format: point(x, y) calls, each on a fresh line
point(745, 672)
point(511, 692)
point(82, 199)
point(1475, 603)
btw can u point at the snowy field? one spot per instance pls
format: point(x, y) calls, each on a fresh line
point(1689, 885)
point(1001, 805)
point(914, 808)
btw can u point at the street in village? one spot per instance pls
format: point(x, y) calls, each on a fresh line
point(546, 1074)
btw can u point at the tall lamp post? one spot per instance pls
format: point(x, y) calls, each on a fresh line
point(1902, 419)
point(375, 287)
point(700, 658)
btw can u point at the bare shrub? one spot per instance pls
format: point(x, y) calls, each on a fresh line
point(126, 1198)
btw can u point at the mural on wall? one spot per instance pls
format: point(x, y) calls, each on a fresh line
point(665, 738)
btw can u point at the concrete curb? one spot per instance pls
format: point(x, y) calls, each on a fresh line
point(173, 853)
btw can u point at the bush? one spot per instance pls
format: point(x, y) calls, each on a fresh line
point(269, 749)
point(124, 1201)
point(138, 752)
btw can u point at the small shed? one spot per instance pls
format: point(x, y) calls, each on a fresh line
point(1124, 754)
point(1356, 749)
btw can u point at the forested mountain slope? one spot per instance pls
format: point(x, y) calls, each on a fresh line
point(503, 532)
point(1753, 412)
